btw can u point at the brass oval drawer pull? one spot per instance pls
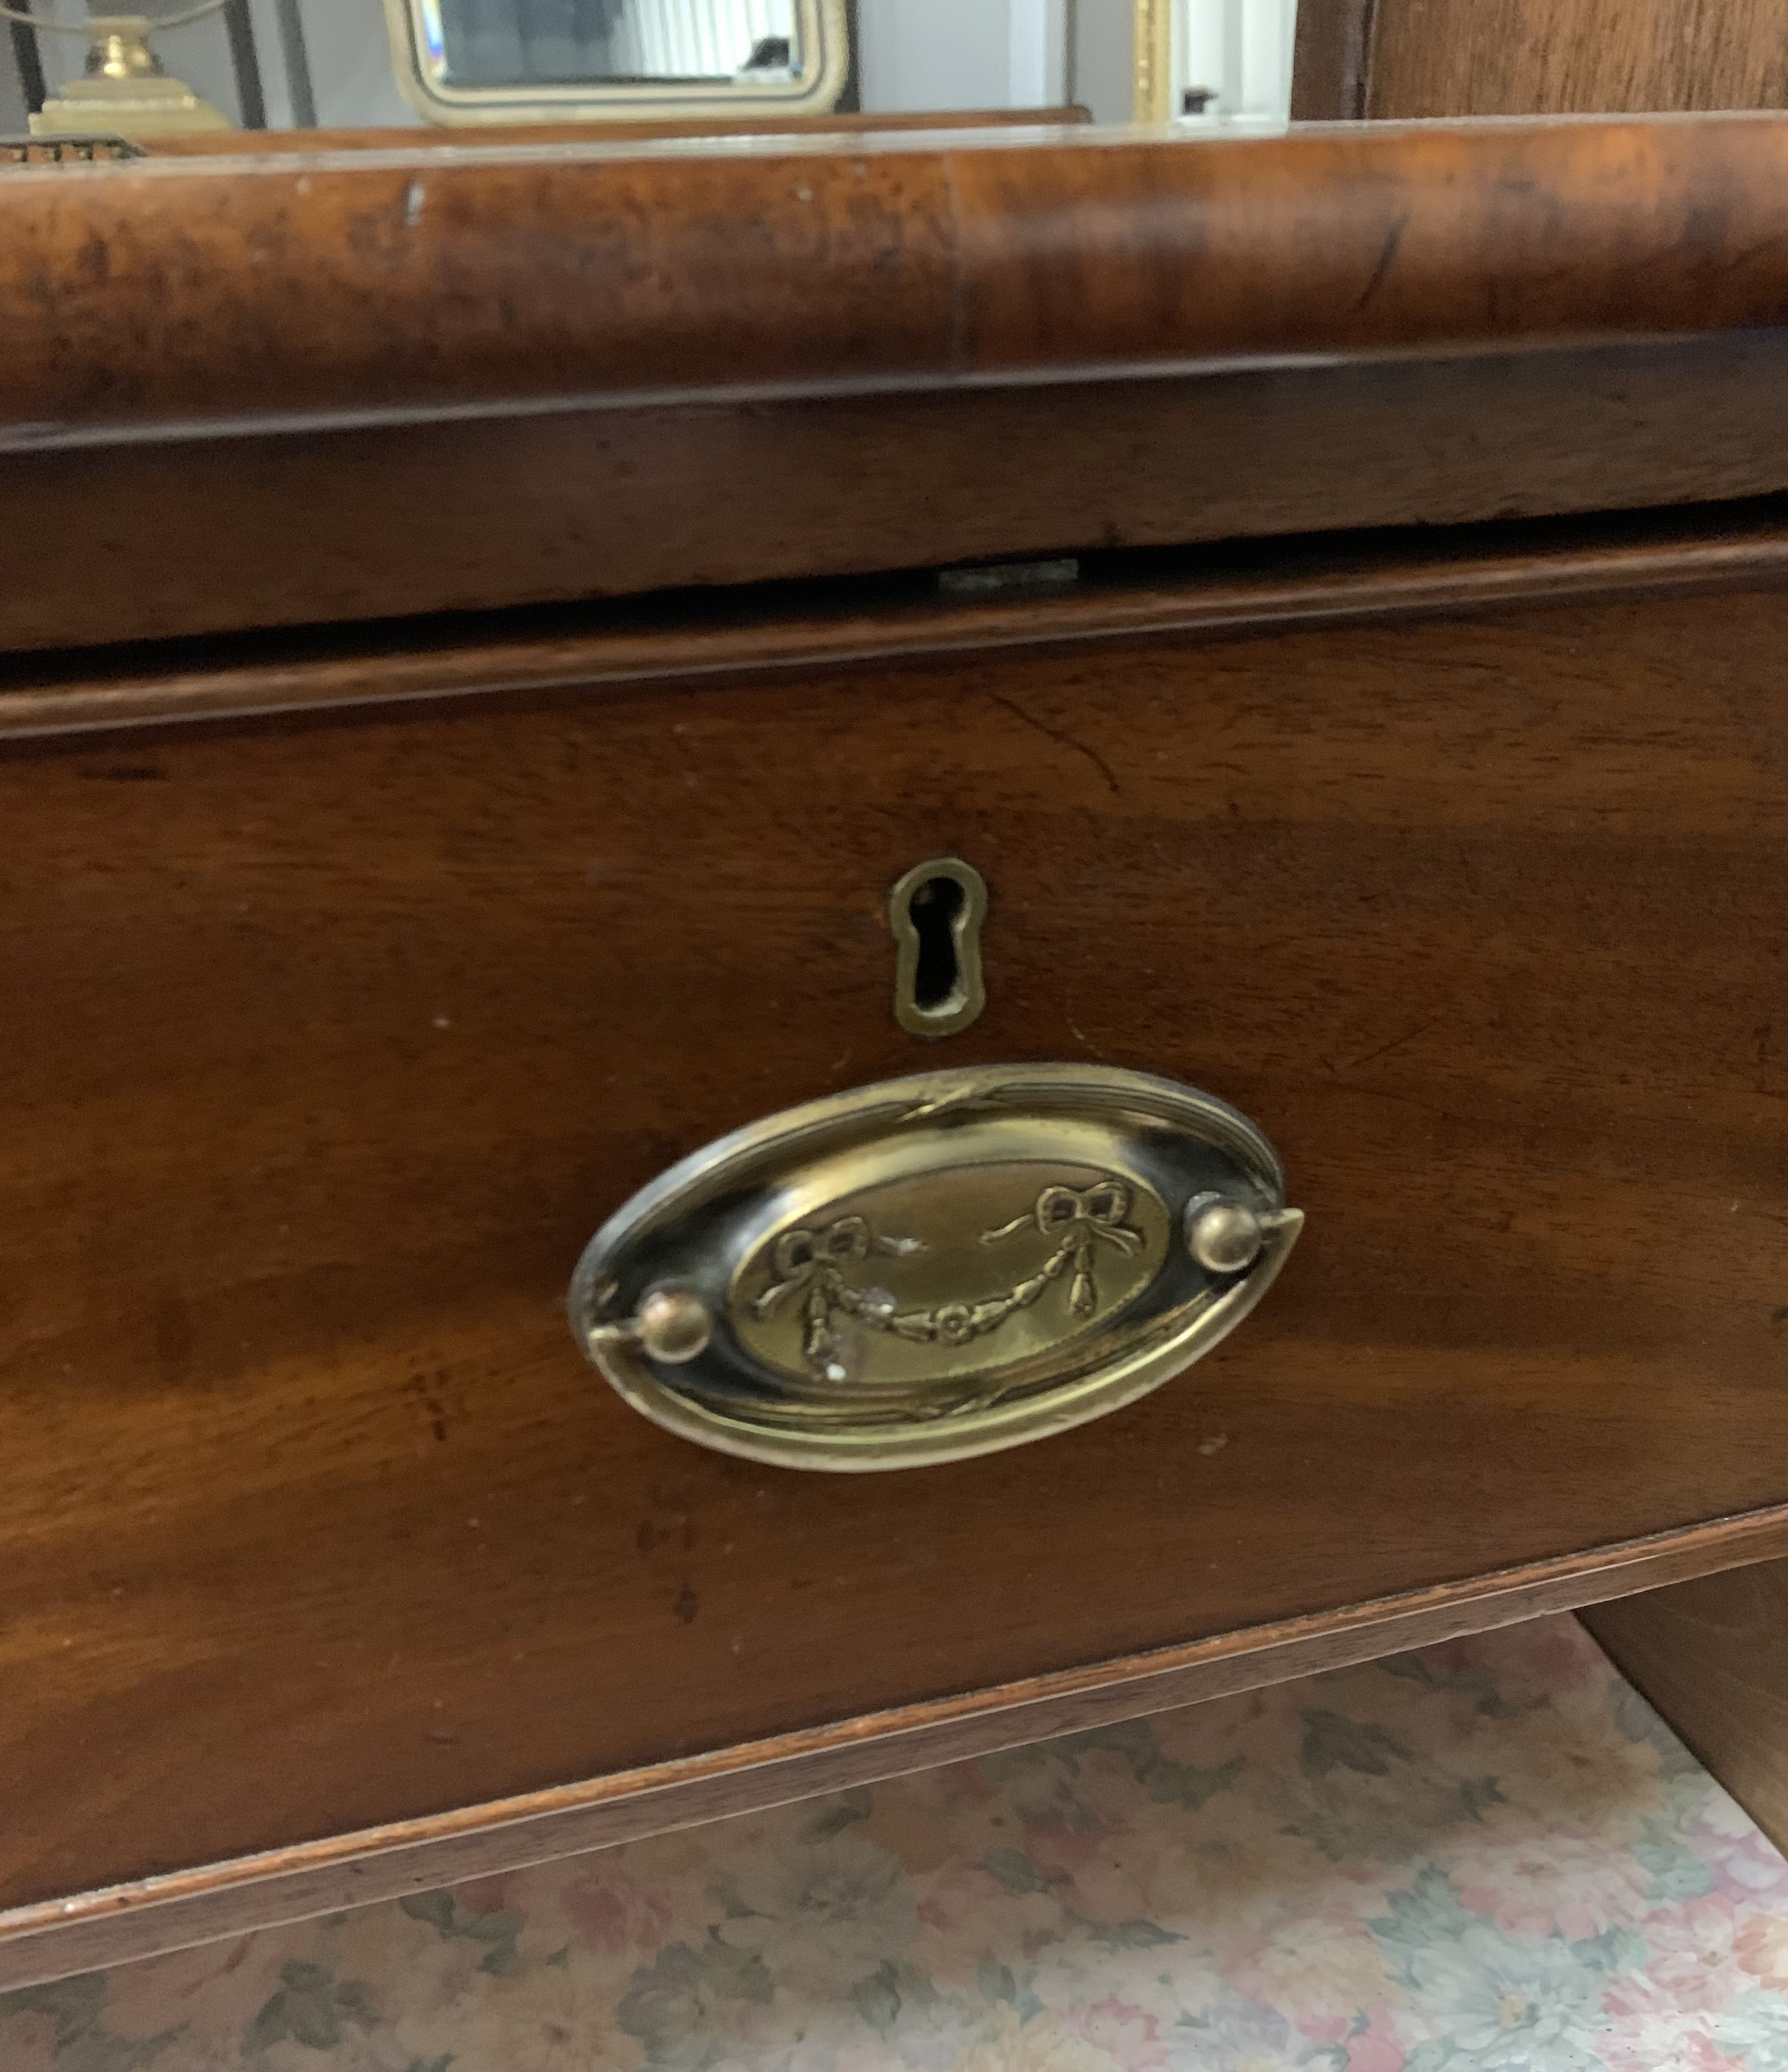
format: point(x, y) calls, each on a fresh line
point(935, 1267)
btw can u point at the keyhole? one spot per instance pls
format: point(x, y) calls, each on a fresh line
point(933, 907)
point(936, 911)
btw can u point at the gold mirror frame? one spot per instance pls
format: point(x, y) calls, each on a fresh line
point(1153, 42)
point(415, 27)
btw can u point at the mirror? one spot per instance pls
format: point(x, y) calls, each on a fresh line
point(473, 61)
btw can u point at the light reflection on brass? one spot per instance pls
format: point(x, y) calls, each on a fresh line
point(935, 1267)
point(832, 1310)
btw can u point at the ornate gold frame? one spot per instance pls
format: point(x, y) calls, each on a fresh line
point(414, 25)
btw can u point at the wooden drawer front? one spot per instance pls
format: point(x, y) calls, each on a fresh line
point(330, 1041)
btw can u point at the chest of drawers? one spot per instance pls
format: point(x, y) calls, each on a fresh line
point(483, 640)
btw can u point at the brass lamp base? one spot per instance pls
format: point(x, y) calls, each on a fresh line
point(126, 91)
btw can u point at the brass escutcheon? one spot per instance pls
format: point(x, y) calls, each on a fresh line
point(945, 901)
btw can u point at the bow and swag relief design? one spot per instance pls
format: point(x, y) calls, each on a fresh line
point(817, 1264)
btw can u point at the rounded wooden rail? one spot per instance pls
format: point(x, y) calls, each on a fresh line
point(373, 284)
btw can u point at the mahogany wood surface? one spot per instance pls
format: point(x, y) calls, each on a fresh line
point(331, 1038)
point(339, 1012)
point(216, 534)
point(682, 635)
point(377, 384)
point(1712, 1656)
point(177, 1909)
point(166, 291)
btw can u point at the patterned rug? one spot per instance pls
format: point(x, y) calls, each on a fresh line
point(1485, 1857)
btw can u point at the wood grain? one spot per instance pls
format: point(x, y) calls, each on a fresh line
point(752, 634)
point(1540, 57)
point(371, 285)
point(1330, 54)
point(218, 535)
point(330, 1041)
point(1712, 1657)
point(179, 1909)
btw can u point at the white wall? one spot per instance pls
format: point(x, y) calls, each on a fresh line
point(919, 54)
point(922, 54)
point(941, 54)
point(1242, 50)
point(697, 39)
point(350, 67)
point(1101, 67)
point(1037, 52)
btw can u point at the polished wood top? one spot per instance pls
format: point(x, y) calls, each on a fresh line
point(370, 284)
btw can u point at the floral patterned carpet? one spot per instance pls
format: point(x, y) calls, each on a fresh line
point(1487, 1857)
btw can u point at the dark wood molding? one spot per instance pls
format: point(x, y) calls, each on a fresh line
point(210, 536)
point(263, 397)
point(678, 639)
point(361, 284)
point(177, 1909)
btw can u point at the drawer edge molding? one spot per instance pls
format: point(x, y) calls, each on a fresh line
point(54, 1938)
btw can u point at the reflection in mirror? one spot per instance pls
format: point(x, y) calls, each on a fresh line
point(477, 60)
point(633, 42)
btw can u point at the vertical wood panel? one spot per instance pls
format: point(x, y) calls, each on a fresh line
point(1329, 60)
point(1712, 1657)
point(1553, 57)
